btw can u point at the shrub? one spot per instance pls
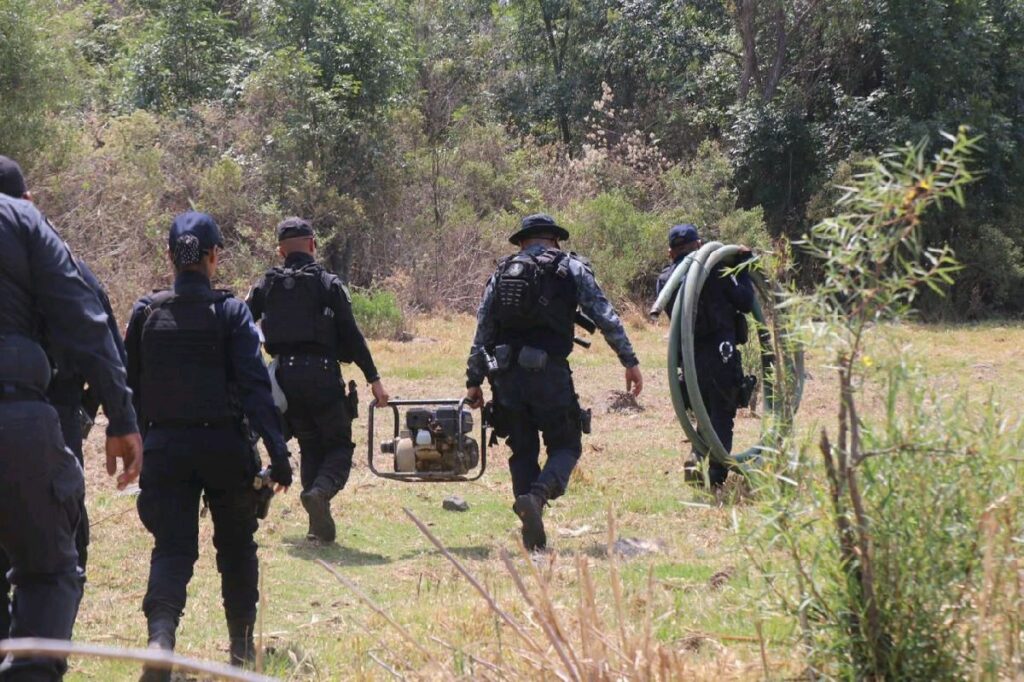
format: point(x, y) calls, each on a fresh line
point(887, 577)
point(378, 314)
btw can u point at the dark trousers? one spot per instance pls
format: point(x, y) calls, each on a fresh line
point(71, 429)
point(41, 491)
point(535, 403)
point(180, 466)
point(319, 416)
point(718, 381)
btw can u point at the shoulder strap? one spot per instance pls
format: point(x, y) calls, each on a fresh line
point(159, 298)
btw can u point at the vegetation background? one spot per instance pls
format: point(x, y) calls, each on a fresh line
point(415, 134)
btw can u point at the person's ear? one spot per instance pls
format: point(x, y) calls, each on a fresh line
point(312, 245)
point(170, 258)
point(27, 196)
point(280, 250)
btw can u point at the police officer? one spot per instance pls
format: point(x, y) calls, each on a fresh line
point(308, 327)
point(41, 486)
point(194, 364)
point(523, 339)
point(66, 393)
point(715, 343)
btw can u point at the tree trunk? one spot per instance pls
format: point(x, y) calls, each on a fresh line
point(746, 12)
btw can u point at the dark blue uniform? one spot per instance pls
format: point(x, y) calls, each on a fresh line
point(310, 377)
point(717, 358)
point(41, 484)
point(544, 400)
point(190, 456)
point(67, 395)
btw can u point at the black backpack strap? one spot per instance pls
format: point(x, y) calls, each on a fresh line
point(159, 298)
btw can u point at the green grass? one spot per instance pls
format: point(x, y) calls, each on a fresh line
point(632, 463)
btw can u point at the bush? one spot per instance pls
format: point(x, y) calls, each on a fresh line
point(887, 577)
point(378, 314)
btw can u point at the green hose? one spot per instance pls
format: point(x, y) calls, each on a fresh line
point(787, 375)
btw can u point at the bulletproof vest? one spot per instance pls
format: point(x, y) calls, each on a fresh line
point(535, 301)
point(296, 309)
point(184, 360)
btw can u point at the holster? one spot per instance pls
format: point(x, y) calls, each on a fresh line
point(494, 417)
point(353, 400)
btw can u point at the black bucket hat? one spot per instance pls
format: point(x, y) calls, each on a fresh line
point(538, 223)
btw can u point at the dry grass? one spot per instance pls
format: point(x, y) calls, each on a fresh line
point(695, 603)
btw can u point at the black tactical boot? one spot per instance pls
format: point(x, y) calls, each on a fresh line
point(530, 508)
point(243, 650)
point(161, 636)
point(317, 503)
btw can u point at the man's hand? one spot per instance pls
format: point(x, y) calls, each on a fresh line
point(379, 393)
point(474, 397)
point(634, 380)
point(281, 473)
point(129, 449)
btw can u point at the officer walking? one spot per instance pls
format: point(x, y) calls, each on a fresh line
point(308, 327)
point(523, 339)
point(41, 486)
point(194, 364)
point(722, 302)
point(66, 393)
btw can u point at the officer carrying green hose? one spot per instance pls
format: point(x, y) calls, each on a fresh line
point(708, 326)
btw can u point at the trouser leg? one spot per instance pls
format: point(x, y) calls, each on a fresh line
point(71, 429)
point(41, 489)
point(234, 524)
point(5, 596)
point(170, 512)
point(554, 410)
point(524, 441)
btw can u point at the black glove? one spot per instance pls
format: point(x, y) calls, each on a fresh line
point(281, 470)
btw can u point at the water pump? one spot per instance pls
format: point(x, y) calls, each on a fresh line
point(431, 443)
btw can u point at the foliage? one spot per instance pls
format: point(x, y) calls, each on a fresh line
point(378, 314)
point(882, 544)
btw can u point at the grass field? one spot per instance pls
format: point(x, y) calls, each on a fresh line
point(696, 594)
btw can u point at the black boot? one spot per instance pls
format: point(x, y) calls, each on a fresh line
point(162, 626)
point(317, 503)
point(243, 649)
point(530, 508)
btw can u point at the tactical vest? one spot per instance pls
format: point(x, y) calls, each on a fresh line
point(184, 361)
point(297, 309)
point(535, 301)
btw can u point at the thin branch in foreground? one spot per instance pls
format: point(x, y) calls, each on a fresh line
point(365, 598)
point(153, 658)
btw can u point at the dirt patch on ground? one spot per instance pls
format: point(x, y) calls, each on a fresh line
point(621, 402)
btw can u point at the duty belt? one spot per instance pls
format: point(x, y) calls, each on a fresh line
point(302, 360)
point(193, 423)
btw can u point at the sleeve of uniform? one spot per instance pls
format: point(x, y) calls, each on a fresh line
point(250, 375)
point(597, 307)
point(349, 334)
point(133, 356)
point(76, 321)
point(476, 365)
point(255, 301)
point(115, 333)
point(740, 291)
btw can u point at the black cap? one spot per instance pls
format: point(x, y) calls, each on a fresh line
point(12, 180)
point(192, 235)
point(681, 235)
point(539, 224)
point(289, 228)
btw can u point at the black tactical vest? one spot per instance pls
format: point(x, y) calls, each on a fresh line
point(297, 310)
point(535, 301)
point(184, 361)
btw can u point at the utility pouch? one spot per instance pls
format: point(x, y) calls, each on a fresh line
point(742, 328)
point(745, 392)
point(502, 358)
point(493, 417)
point(353, 400)
point(533, 359)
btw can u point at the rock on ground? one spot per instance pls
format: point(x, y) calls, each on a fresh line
point(455, 503)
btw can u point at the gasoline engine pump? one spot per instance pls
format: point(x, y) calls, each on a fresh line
point(431, 441)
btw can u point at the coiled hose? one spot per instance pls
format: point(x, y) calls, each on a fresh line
point(781, 381)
